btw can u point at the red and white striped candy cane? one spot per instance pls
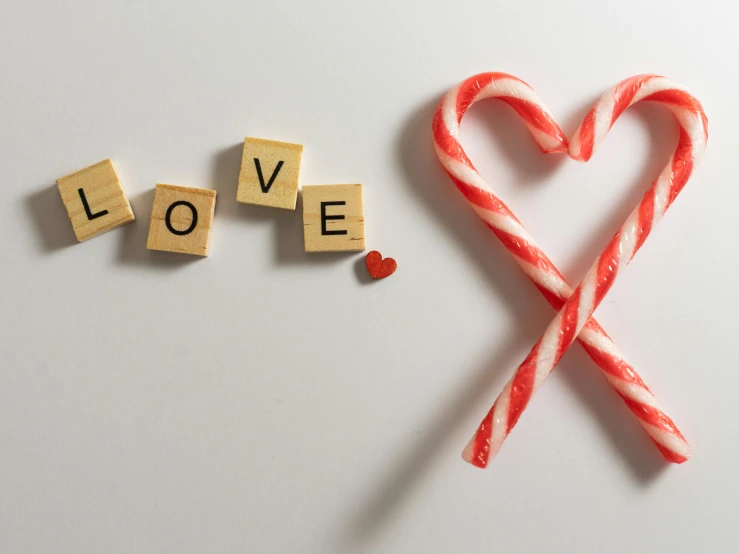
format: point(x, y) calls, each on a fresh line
point(575, 314)
point(529, 256)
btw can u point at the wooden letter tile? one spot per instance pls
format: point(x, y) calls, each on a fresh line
point(181, 219)
point(94, 200)
point(333, 220)
point(269, 173)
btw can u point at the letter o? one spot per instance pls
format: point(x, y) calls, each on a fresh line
point(168, 218)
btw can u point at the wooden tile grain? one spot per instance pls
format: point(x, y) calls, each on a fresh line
point(333, 218)
point(95, 200)
point(181, 219)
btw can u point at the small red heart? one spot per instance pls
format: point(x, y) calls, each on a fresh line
point(379, 268)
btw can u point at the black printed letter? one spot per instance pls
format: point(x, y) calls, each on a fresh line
point(265, 188)
point(89, 213)
point(325, 218)
point(168, 218)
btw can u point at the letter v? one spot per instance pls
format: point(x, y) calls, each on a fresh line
point(265, 188)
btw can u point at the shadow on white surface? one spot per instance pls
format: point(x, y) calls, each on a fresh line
point(52, 225)
point(360, 270)
point(434, 189)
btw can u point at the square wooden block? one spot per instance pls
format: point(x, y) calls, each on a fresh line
point(94, 200)
point(269, 173)
point(181, 219)
point(333, 218)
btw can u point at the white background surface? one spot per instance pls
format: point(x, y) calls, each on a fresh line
point(263, 400)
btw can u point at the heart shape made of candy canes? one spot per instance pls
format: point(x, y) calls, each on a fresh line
point(575, 308)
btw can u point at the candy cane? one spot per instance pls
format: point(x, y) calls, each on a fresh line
point(531, 258)
point(579, 307)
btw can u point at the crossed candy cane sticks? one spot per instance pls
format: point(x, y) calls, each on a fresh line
point(573, 320)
